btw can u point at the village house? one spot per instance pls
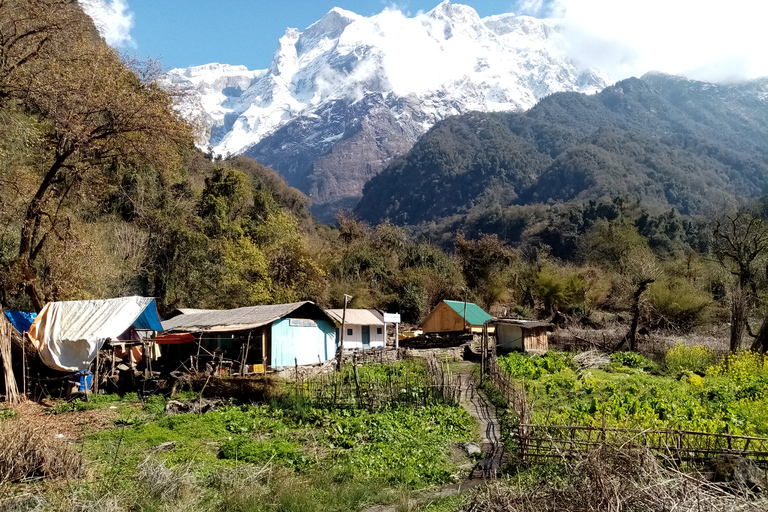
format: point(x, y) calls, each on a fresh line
point(364, 328)
point(455, 316)
point(272, 335)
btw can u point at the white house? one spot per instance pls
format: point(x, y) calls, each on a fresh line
point(364, 328)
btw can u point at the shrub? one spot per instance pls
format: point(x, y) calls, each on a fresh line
point(677, 303)
point(695, 359)
point(630, 360)
point(741, 367)
point(523, 366)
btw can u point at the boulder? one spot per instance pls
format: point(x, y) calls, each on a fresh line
point(471, 449)
point(195, 406)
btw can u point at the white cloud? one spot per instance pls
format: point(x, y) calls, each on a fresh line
point(113, 20)
point(699, 39)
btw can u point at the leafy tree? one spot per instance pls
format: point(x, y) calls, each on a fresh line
point(95, 110)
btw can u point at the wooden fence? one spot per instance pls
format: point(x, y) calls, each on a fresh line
point(543, 442)
point(356, 388)
point(533, 443)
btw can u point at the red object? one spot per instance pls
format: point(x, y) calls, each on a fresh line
point(174, 339)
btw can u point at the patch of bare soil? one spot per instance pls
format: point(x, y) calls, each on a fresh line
point(71, 426)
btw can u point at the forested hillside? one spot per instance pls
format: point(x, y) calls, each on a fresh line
point(665, 141)
point(103, 194)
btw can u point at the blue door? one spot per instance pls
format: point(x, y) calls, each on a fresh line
point(366, 336)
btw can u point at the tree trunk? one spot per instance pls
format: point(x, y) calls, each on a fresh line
point(739, 313)
point(631, 336)
point(761, 340)
point(29, 246)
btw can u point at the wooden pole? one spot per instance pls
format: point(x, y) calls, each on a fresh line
point(245, 355)
point(96, 375)
point(264, 349)
point(24, 364)
point(397, 336)
point(340, 351)
point(11, 389)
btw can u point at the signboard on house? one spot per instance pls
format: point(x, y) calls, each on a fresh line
point(302, 322)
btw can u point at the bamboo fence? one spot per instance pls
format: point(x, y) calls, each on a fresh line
point(358, 389)
point(543, 442)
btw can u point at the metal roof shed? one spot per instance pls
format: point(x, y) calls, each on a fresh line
point(521, 335)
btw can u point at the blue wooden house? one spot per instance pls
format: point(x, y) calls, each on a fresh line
point(274, 335)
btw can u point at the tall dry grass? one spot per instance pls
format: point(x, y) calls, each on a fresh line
point(617, 480)
point(30, 451)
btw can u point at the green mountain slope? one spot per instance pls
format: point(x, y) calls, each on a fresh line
point(664, 140)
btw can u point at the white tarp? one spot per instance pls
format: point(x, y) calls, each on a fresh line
point(69, 334)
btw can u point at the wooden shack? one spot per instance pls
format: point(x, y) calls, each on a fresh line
point(521, 335)
point(454, 316)
point(276, 335)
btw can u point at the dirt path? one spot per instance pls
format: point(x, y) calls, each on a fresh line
point(478, 405)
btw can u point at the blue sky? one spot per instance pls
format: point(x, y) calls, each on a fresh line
point(701, 39)
point(191, 32)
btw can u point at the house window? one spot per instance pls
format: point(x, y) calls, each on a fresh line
point(349, 332)
point(378, 330)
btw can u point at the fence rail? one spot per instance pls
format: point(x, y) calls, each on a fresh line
point(541, 442)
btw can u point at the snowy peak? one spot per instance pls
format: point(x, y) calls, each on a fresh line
point(348, 74)
point(330, 26)
point(286, 59)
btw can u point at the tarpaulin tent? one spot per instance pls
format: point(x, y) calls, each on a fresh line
point(68, 335)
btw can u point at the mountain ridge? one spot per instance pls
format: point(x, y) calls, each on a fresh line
point(666, 141)
point(423, 69)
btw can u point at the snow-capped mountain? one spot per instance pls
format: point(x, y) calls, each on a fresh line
point(342, 98)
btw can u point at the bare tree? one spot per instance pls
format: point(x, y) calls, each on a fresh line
point(740, 237)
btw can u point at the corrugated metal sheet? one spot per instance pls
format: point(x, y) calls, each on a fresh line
point(475, 314)
point(355, 316)
point(230, 319)
point(525, 324)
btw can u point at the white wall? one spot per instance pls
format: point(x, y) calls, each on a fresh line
point(355, 341)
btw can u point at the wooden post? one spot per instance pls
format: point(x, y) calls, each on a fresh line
point(264, 349)
point(197, 358)
point(96, 375)
point(11, 389)
point(24, 364)
point(340, 351)
point(245, 355)
point(465, 312)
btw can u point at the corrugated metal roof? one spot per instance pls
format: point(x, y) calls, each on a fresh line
point(475, 314)
point(530, 324)
point(355, 316)
point(231, 319)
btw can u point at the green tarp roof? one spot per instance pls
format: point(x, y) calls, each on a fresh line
point(475, 314)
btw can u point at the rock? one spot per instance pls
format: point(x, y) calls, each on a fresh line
point(471, 448)
point(196, 406)
point(168, 445)
point(737, 470)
